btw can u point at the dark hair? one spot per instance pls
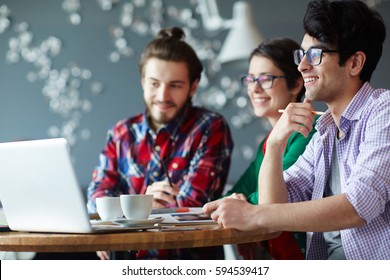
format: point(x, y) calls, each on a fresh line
point(280, 51)
point(348, 26)
point(170, 46)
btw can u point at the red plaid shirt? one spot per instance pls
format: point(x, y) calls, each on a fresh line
point(196, 148)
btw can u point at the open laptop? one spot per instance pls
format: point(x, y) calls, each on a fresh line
point(39, 189)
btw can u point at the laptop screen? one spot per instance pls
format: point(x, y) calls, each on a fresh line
point(39, 189)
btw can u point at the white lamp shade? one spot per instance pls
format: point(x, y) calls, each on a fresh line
point(243, 37)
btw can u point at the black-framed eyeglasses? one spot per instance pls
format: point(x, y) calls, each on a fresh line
point(313, 55)
point(265, 81)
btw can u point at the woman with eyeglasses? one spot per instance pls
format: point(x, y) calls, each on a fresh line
point(273, 81)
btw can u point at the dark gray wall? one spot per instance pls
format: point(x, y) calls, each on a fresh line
point(25, 112)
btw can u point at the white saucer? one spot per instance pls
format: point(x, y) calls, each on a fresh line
point(137, 222)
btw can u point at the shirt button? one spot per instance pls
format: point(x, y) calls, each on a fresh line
point(175, 165)
point(157, 148)
point(212, 173)
point(155, 173)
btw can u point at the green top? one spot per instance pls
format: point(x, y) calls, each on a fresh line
point(248, 182)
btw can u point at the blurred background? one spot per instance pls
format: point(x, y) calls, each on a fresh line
point(69, 68)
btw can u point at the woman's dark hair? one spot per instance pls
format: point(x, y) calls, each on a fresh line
point(348, 26)
point(170, 46)
point(280, 51)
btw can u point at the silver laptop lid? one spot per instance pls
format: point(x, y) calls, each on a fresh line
point(39, 189)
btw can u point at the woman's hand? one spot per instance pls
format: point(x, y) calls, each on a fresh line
point(103, 255)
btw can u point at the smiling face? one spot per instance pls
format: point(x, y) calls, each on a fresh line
point(326, 81)
point(167, 89)
point(266, 102)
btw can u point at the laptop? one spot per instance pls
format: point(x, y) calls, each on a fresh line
point(39, 190)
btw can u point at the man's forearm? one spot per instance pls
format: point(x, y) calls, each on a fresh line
point(327, 214)
point(272, 188)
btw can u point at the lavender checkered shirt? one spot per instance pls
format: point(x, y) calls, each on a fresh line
point(364, 159)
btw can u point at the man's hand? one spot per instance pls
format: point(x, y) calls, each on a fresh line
point(238, 196)
point(163, 194)
point(297, 117)
point(233, 213)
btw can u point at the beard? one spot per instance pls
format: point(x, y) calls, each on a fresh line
point(157, 118)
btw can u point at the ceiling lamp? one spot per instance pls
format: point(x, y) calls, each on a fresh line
point(243, 36)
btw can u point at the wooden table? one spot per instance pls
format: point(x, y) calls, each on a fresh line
point(206, 235)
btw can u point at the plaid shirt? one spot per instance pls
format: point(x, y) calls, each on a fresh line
point(196, 148)
point(364, 159)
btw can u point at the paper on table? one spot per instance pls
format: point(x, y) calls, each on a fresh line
point(194, 216)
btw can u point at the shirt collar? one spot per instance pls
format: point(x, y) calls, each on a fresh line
point(353, 111)
point(171, 128)
point(355, 108)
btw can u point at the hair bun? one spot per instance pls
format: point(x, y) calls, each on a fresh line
point(174, 32)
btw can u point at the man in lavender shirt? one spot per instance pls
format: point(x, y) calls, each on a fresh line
point(340, 186)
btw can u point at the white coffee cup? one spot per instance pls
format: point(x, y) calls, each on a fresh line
point(136, 206)
point(109, 208)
